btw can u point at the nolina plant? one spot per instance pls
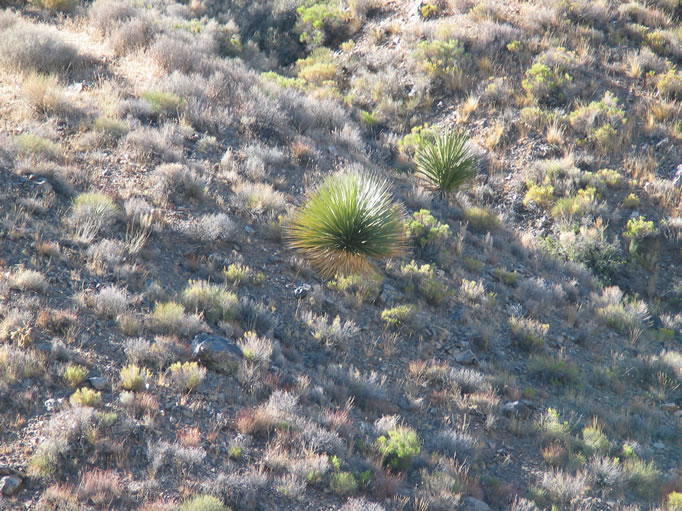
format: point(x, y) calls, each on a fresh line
point(445, 163)
point(347, 220)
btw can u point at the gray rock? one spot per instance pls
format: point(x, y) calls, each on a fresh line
point(472, 504)
point(522, 409)
point(466, 358)
point(388, 295)
point(9, 485)
point(98, 382)
point(669, 407)
point(659, 445)
point(217, 353)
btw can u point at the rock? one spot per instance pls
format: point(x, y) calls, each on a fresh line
point(677, 180)
point(388, 296)
point(98, 382)
point(659, 445)
point(9, 485)
point(52, 404)
point(248, 230)
point(670, 407)
point(472, 504)
point(522, 409)
point(217, 353)
point(466, 358)
point(302, 291)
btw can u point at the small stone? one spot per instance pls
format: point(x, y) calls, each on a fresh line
point(9, 485)
point(248, 230)
point(659, 445)
point(217, 353)
point(52, 404)
point(98, 382)
point(670, 407)
point(302, 290)
point(388, 296)
point(466, 358)
point(472, 504)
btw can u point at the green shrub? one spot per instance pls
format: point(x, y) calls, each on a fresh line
point(363, 288)
point(424, 279)
point(444, 61)
point(670, 84)
point(110, 128)
point(636, 231)
point(187, 376)
point(611, 177)
point(164, 103)
point(343, 483)
point(86, 397)
point(319, 22)
point(426, 230)
point(57, 5)
point(216, 302)
point(543, 84)
point(528, 333)
point(203, 503)
point(538, 194)
point(594, 440)
point(399, 315)
point(347, 220)
point(631, 201)
point(446, 163)
point(482, 219)
point(36, 147)
point(556, 371)
point(674, 501)
point(134, 378)
point(509, 278)
point(74, 375)
point(399, 447)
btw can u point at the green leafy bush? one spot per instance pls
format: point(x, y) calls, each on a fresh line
point(347, 220)
point(134, 377)
point(398, 449)
point(86, 397)
point(215, 301)
point(319, 22)
point(446, 163)
point(399, 315)
point(203, 503)
point(426, 230)
point(187, 376)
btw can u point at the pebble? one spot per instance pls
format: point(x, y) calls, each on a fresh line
point(659, 445)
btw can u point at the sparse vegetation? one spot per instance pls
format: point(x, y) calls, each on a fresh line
point(182, 167)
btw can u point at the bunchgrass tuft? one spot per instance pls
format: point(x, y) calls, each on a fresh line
point(445, 163)
point(347, 220)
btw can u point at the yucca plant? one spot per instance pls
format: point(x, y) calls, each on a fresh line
point(347, 220)
point(445, 163)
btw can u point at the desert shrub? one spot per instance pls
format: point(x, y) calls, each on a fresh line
point(210, 227)
point(170, 318)
point(343, 483)
point(482, 219)
point(86, 397)
point(554, 370)
point(174, 181)
point(399, 447)
point(258, 198)
point(364, 289)
point(542, 195)
point(107, 14)
point(590, 247)
point(90, 213)
point(622, 314)
point(110, 129)
point(57, 5)
point(203, 503)
point(600, 122)
point(332, 334)
point(28, 280)
point(164, 103)
point(74, 375)
point(187, 376)
point(636, 231)
point(44, 93)
point(426, 230)
point(216, 302)
point(446, 163)
point(319, 68)
point(134, 378)
point(111, 301)
point(528, 333)
point(347, 220)
point(424, 279)
point(36, 147)
point(446, 62)
point(670, 84)
point(321, 22)
point(399, 315)
point(39, 48)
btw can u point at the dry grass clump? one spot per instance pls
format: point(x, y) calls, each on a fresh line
point(176, 182)
point(39, 48)
point(258, 198)
point(210, 227)
point(148, 144)
point(28, 280)
point(111, 301)
point(16, 364)
point(170, 318)
point(90, 213)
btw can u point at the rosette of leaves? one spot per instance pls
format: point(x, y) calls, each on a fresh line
point(348, 220)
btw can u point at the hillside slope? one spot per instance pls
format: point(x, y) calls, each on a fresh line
point(524, 352)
